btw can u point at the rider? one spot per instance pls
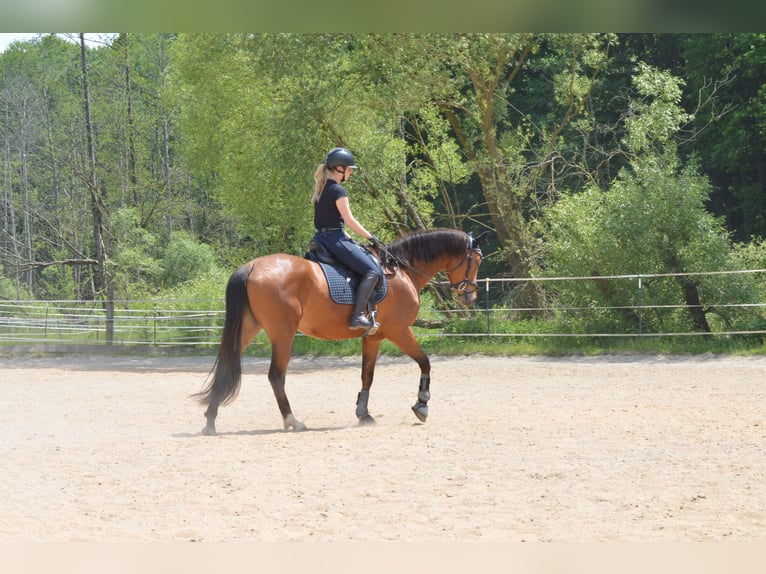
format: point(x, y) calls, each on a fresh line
point(332, 214)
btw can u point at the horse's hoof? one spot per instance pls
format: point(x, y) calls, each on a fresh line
point(366, 420)
point(295, 424)
point(421, 411)
point(209, 431)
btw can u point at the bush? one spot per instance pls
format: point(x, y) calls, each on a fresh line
point(8, 289)
point(186, 259)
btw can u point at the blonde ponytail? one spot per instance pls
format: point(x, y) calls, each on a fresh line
point(320, 178)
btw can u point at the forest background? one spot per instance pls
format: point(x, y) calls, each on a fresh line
point(151, 165)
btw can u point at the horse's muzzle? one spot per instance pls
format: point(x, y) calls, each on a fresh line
point(466, 298)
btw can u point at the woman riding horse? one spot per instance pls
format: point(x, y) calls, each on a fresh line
point(332, 214)
point(285, 294)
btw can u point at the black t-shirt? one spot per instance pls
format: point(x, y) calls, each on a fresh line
point(326, 214)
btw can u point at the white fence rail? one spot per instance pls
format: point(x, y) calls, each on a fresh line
point(198, 323)
point(639, 306)
point(162, 323)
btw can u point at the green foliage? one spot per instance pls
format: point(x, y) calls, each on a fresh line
point(651, 221)
point(248, 124)
point(655, 116)
point(728, 71)
point(205, 286)
point(186, 259)
point(9, 290)
point(207, 143)
point(135, 254)
point(752, 256)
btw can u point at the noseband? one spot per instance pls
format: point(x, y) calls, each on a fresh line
point(461, 288)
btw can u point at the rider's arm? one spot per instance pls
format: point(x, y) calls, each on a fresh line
point(348, 218)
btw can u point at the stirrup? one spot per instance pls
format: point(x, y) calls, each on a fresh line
point(375, 325)
point(366, 325)
point(372, 330)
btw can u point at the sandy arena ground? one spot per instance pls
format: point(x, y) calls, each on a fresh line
point(535, 449)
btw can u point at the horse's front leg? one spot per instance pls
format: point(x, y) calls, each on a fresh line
point(420, 408)
point(408, 344)
point(370, 346)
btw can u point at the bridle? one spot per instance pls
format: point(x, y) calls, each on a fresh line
point(461, 288)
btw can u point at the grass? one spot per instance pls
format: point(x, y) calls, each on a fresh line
point(534, 346)
point(446, 346)
point(461, 337)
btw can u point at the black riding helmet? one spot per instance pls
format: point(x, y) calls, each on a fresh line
point(340, 157)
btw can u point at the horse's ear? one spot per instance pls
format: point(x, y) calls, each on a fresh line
point(481, 238)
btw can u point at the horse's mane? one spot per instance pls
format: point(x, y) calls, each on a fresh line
point(426, 246)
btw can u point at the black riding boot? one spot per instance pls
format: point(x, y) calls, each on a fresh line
point(359, 319)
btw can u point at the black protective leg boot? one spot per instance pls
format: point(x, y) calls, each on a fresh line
point(359, 319)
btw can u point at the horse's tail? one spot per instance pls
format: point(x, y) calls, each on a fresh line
point(225, 377)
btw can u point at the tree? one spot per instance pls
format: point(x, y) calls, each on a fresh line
point(511, 135)
point(104, 285)
point(43, 213)
point(22, 105)
point(47, 191)
point(260, 112)
point(652, 219)
point(733, 147)
point(424, 112)
point(219, 135)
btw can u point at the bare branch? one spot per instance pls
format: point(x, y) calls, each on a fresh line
point(707, 98)
point(29, 265)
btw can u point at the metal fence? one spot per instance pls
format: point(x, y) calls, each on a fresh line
point(154, 323)
point(638, 305)
point(198, 323)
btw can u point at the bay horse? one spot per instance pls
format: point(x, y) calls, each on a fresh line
point(286, 294)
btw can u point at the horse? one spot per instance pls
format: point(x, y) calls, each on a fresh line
point(286, 294)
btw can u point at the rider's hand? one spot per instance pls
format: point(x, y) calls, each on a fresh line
point(377, 243)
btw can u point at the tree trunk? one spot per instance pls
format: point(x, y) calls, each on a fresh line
point(104, 285)
point(691, 295)
point(164, 115)
point(26, 207)
point(131, 129)
point(693, 304)
point(10, 243)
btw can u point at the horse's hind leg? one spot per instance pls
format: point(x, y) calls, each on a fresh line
point(228, 370)
point(280, 357)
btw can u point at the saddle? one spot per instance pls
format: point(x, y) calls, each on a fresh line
point(341, 281)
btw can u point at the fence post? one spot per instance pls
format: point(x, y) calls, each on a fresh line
point(640, 308)
point(486, 306)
